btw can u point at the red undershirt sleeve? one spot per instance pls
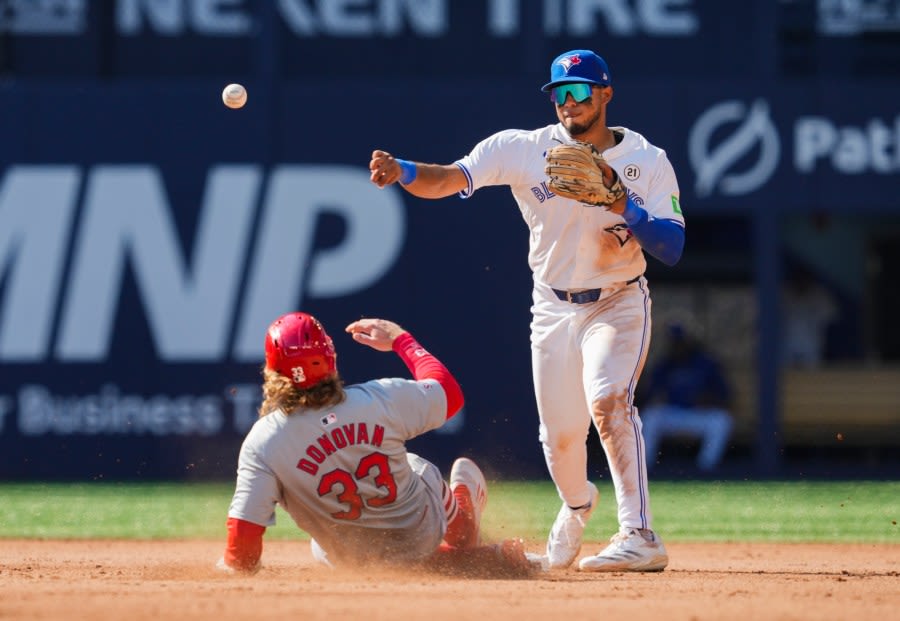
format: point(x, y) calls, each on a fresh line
point(245, 542)
point(423, 365)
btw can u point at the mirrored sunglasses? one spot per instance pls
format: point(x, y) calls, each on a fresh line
point(580, 91)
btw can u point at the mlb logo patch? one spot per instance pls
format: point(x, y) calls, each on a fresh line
point(329, 419)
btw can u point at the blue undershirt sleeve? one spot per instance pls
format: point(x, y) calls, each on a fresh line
point(663, 239)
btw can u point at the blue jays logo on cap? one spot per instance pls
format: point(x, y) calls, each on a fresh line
point(569, 61)
point(578, 66)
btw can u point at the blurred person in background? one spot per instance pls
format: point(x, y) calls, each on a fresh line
point(687, 395)
point(808, 308)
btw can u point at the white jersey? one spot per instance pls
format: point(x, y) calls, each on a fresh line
point(575, 246)
point(343, 473)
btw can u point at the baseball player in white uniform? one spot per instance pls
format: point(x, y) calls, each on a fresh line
point(334, 458)
point(591, 305)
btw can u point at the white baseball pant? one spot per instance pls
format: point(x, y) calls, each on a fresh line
point(586, 361)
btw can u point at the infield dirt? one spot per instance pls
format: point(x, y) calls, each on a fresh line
point(138, 581)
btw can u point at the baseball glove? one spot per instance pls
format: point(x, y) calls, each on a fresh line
point(575, 172)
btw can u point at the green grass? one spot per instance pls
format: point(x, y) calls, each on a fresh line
point(851, 511)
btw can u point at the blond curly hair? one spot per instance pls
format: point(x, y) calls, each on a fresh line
point(280, 393)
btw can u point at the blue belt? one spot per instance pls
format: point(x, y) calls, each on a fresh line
point(588, 296)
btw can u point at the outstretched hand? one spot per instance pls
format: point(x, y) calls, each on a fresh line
point(384, 169)
point(378, 334)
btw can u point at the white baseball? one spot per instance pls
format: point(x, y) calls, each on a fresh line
point(234, 96)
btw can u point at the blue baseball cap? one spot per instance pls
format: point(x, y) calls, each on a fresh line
point(577, 66)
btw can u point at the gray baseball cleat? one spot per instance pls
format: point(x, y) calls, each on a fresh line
point(632, 549)
point(567, 532)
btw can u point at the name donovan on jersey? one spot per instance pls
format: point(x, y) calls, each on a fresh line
point(339, 438)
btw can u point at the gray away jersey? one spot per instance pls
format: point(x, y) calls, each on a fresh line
point(343, 473)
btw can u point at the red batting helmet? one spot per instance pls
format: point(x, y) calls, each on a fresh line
point(298, 348)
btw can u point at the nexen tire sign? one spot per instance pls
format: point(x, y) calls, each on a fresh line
point(191, 299)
